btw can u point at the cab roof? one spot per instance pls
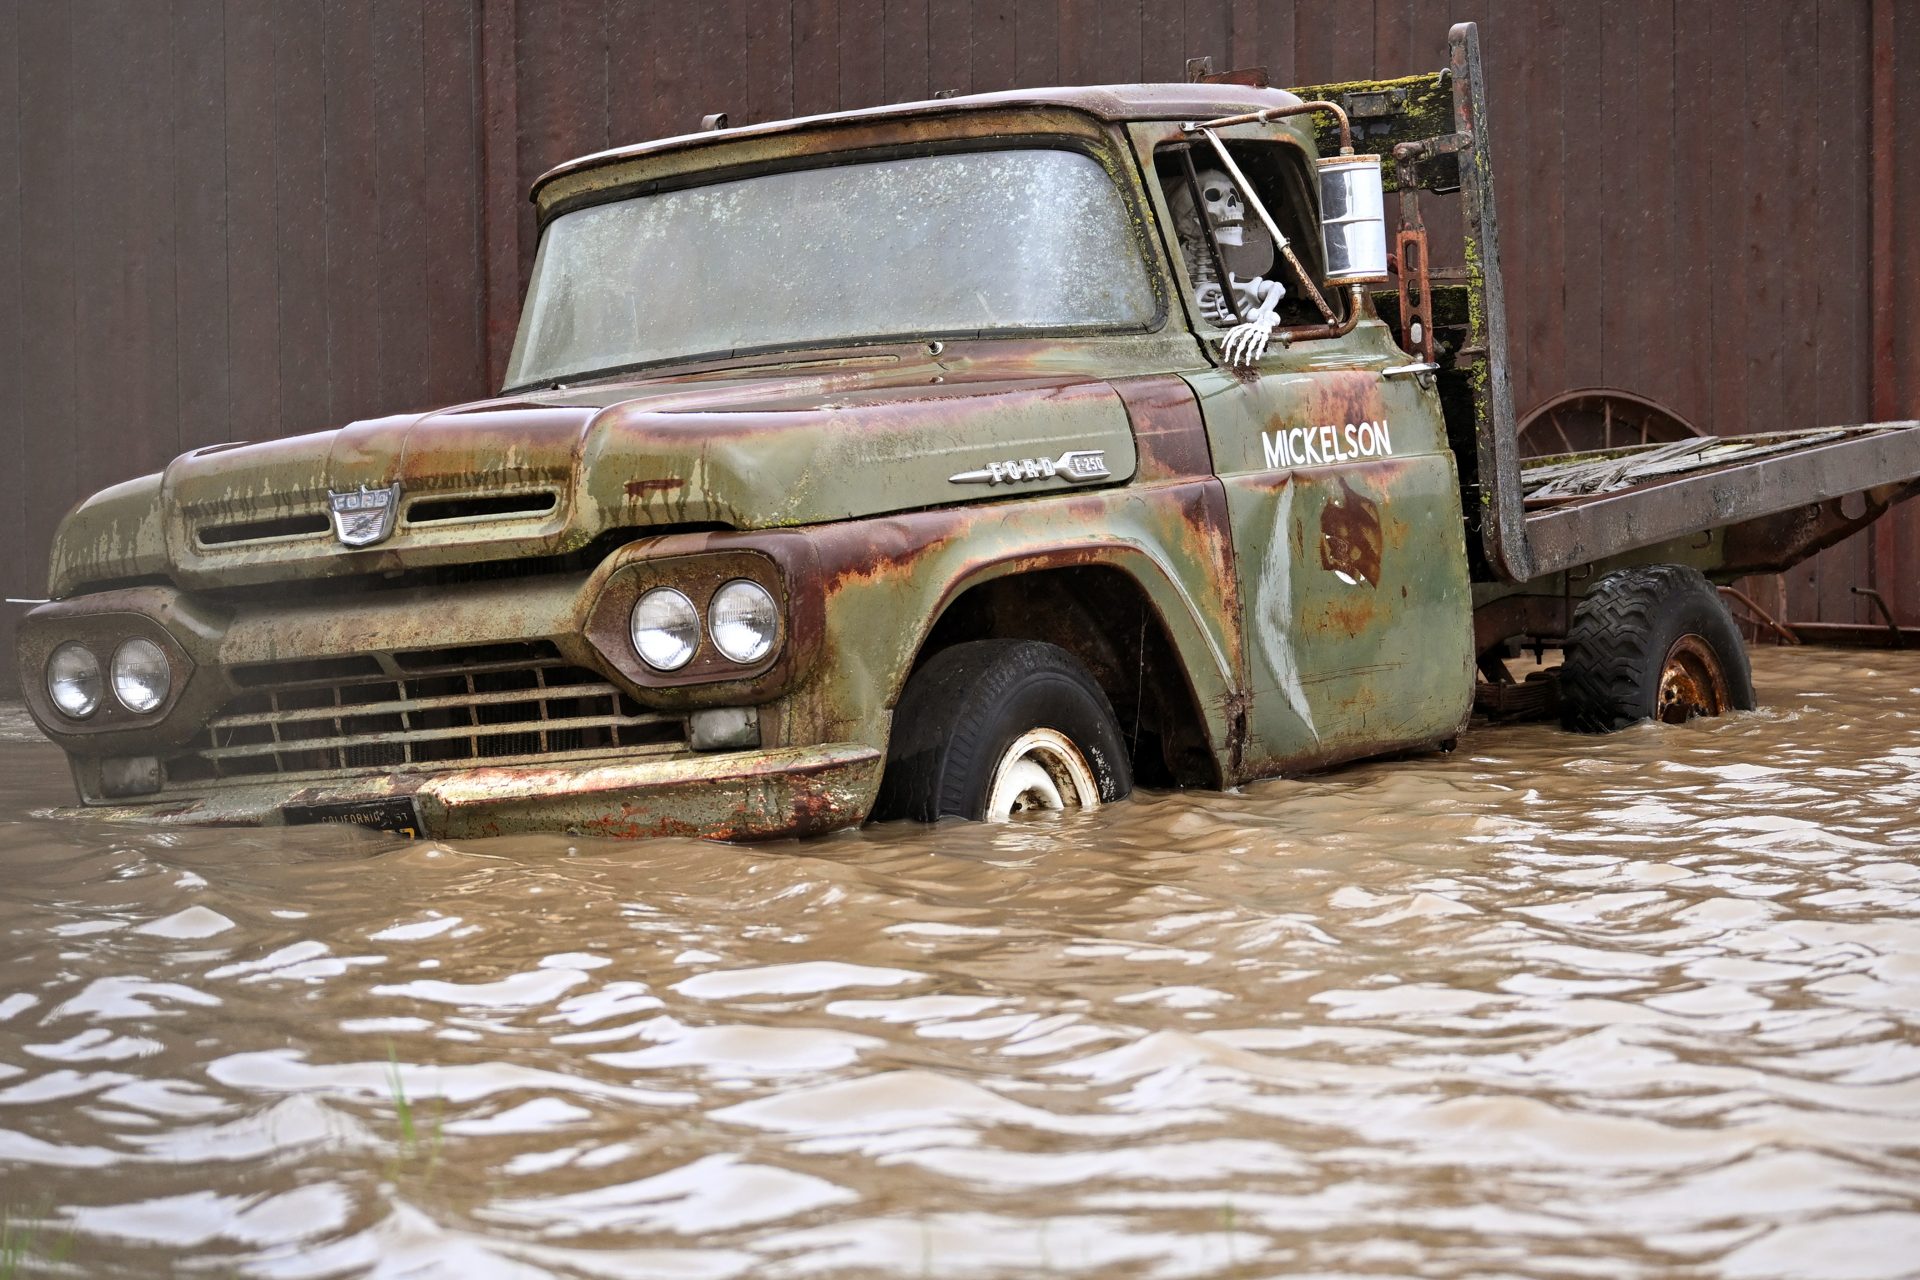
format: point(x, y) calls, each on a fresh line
point(1106, 102)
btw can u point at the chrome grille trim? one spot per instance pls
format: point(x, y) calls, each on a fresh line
point(420, 711)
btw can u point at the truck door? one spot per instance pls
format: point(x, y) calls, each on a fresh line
point(1344, 505)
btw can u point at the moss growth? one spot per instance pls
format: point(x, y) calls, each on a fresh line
point(1424, 111)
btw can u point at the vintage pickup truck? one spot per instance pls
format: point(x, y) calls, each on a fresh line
point(971, 457)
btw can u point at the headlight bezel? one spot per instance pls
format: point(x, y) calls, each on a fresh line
point(697, 569)
point(101, 624)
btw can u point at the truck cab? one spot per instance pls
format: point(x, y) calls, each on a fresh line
point(950, 458)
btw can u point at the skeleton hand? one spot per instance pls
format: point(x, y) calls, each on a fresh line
point(1246, 343)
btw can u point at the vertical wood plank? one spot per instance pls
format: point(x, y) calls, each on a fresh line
point(1036, 43)
point(1638, 342)
point(1906, 196)
point(455, 252)
point(1208, 27)
point(1076, 19)
point(677, 100)
point(816, 56)
point(1402, 45)
point(200, 221)
point(905, 55)
point(769, 62)
point(631, 91)
point(720, 60)
point(1836, 224)
point(1797, 252)
point(563, 72)
point(99, 228)
point(862, 53)
point(401, 200)
point(19, 577)
point(151, 264)
point(47, 275)
point(1904, 571)
point(99, 220)
point(1727, 215)
point(506, 221)
point(1116, 43)
point(1334, 40)
point(1511, 81)
point(125, 366)
point(1164, 47)
point(993, 45)
point(1312, 39)
point(1244, 47)
point(1690, 228)
point(300, 139)
point(1276, 47)
point(1762, 156)
point(950, 46)
point(252, 244)
point(1583, 264)
point(352, 217)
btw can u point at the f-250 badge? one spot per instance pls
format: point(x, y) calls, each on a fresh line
point(363, 516)
point(1076, 466)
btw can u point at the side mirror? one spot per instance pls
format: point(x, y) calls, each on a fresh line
point(1352, 220)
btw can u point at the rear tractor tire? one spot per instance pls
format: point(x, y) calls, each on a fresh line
point(991, 729)
point(1653, 642)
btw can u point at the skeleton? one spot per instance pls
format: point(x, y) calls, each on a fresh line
point(1257, 298)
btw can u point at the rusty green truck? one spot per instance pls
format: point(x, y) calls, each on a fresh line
point(965, 457)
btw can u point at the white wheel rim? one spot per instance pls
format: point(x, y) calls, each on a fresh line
point(1041, 772)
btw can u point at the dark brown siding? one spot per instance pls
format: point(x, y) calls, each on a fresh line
point(229, 219)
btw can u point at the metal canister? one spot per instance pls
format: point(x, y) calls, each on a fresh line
point(1352, 219)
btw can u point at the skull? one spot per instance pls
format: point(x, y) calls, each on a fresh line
point(1226, 211)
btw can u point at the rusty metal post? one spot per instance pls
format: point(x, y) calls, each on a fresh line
point(1416, 305)
point(1503, 524)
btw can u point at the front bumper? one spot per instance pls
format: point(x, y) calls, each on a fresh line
point(746, 795)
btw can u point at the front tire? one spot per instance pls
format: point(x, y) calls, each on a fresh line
point(1653, 642)
point(994, 728)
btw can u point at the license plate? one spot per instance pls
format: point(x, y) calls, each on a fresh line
point(395, 814)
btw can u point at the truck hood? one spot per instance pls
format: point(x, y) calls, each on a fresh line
point(547, 475)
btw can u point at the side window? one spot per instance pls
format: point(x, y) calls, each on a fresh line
point(1232, 273)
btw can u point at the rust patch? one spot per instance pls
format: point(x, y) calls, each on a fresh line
point(1169, 436)
point(1341, 397)
point(1351, 537)
point(639, 489)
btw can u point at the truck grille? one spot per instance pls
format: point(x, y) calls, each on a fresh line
point(416, 710)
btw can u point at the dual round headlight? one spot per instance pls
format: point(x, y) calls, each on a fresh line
point(142, 677)
point(742, 618)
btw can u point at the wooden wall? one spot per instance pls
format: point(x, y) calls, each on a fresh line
point(232, 219)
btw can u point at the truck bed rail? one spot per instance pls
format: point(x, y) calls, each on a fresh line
point(1587, 507)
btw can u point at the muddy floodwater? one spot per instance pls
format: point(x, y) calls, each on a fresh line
point(1549, 1006)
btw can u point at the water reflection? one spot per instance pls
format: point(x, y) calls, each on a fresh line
point(1641, 1005)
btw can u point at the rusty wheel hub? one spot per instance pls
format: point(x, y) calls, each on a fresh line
point(1042, 771)
point(1691, 682)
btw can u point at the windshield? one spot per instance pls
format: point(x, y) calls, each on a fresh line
point(940, 244)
